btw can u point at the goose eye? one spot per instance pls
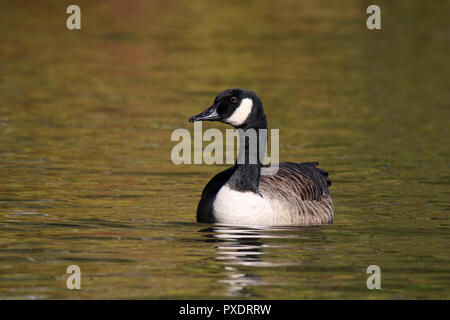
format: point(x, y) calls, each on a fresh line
point(234, 100)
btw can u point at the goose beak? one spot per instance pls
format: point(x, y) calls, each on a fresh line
point(209, 114)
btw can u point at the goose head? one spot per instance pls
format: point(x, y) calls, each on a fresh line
point(239, 108)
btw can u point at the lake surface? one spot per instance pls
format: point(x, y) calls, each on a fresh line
point(85, 171)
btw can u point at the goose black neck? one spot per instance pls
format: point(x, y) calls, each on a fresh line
point(252, 147)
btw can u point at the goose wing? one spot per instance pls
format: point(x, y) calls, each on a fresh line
point(296, 182)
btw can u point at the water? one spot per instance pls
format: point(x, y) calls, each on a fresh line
point(85, 124)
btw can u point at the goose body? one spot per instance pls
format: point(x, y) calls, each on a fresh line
point(297, 194)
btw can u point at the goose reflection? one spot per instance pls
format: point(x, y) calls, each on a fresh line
point(239, 249)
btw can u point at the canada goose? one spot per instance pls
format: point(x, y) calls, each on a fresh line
point(296, 195)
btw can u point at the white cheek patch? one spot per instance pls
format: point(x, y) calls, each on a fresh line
point(241, 113)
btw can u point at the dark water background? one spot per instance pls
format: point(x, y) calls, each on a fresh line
point(85, 124)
